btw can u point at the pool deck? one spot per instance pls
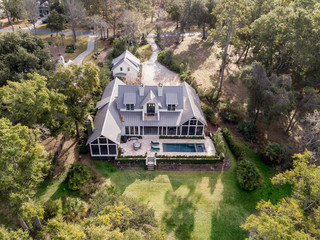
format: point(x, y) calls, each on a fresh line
point(146, 147)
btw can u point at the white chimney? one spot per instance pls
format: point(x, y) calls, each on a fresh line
point(160, 90)
point(141, 90)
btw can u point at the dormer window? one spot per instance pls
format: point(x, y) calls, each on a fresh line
point(171, 107)
point(129, 106)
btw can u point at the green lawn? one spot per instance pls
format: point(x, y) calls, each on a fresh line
point(196, 205)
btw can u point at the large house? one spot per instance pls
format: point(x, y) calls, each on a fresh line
point(131, 110)
point(44, 8)
point(126, 65)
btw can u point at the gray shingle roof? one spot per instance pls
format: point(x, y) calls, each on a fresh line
point(192, 105)
point(178, 90)
point(172, 98)
point(129, 98)
point(127, 57)
point(107, 121)
point(151, 97)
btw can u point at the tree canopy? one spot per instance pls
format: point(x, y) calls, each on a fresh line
point(78, 84)
point(31, 103)
point(296, 217)
point(23, 162)
point(22, 53)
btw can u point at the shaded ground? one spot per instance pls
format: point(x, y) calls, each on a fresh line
point(56, 188)
point(57, 46)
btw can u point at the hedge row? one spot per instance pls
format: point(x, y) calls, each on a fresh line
point(131, 160)
point(181, 137)
point(186, 157)
point(234, 147)
point(188, 161)
point(133, 157)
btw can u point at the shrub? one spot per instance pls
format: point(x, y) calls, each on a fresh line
point(77, 175)
point(69, 49)
point(234, 147)
point(119, 46)
point(52, 208)
point(277, 154)
point(248, 130)
point(187, 77)
point(229, 115)
point(209, 113)
point(169, 59)
point(74, 209)
point(143, 42)
point(161, 56)
point(83, 148)
point(247, 175)
point(219, 142)
point(175, 66)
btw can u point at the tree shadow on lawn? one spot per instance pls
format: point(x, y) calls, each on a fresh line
point(180, 216)
point(63, 191)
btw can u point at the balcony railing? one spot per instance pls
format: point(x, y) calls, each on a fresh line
point(151, 117)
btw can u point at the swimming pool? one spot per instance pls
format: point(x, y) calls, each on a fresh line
point(183, 147)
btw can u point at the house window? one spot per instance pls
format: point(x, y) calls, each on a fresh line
point(112, 150)
point(128, 69)
point(95, 149)
point(104, 149)
point(127, 131)
point(129, 106)
point(192, 130)
point(102, 140)
point(193, 122)
point(121, 69)
point(184, 131)
point(199, 131)
point(171, 107)
point(151, 107)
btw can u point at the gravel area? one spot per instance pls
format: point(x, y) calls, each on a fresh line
point(154, 72)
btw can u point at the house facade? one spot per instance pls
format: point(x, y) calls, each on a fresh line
point(126, 65)
point(128, 110)
point(44, 8)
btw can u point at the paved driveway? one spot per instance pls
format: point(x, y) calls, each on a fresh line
point(154, 72)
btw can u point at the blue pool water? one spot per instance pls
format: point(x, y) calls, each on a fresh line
point(183, 147)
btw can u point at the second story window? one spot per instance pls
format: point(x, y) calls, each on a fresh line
point(128, 69)
point(121, 69)
point(171, 107)
point(129, 106)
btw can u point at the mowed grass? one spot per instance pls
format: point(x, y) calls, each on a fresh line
point(196, 205)
point(55, 189)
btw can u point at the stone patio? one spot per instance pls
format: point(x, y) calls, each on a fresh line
point(146, 147)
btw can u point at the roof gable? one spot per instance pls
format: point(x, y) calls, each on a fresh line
point(151, 97)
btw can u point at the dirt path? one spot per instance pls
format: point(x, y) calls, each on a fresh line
point(154, 73)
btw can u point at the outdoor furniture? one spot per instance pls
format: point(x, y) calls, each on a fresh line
point(155, 148)
point(136, 145)
point(133, 138)
point(154, 143)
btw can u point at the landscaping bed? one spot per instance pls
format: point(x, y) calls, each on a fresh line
point(165, 166)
